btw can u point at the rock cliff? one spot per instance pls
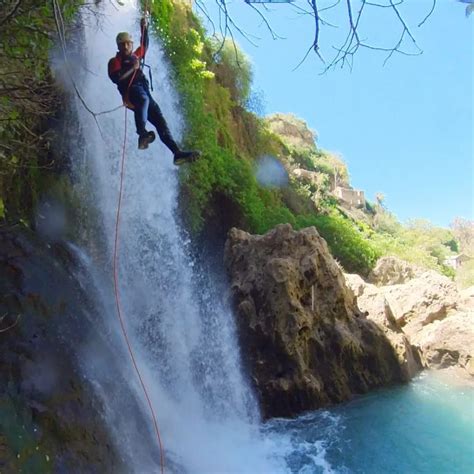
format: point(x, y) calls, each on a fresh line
point(305, 341)
point(293, 130)
point(373, 303)
point(425, 311)
point(392, 270)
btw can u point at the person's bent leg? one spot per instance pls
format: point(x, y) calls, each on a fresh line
point(156, 118)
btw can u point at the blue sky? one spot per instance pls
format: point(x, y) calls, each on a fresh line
point(404, 129)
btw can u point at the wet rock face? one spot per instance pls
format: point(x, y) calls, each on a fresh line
point(449, 342)
point(49, 419)
point(305, 341)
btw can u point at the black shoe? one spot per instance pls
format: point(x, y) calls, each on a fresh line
point(181, 157)
point(145, 139)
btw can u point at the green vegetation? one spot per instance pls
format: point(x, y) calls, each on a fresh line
point(28, 102)
point(347, 243)
point(232, 70)
point(418, 242)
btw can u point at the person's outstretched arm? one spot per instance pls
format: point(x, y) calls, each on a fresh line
point(144, 41)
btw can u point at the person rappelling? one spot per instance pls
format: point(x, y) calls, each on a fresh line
point(126, 71)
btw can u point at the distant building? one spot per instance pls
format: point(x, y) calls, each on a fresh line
point(354, 197)
point(456, 261)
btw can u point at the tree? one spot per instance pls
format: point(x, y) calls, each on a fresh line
point(463, 230)
point(380, 197)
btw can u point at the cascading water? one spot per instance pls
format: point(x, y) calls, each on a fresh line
point(181, 330)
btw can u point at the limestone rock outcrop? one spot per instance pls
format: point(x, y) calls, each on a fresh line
point(449, 342)
point(426, 312)
point(392, 271)
point(372, 302)
point(305, 341)
point(294, 130)
point(422, 300)
point(466, 299)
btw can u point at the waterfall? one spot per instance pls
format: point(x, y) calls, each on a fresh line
point(180, 326)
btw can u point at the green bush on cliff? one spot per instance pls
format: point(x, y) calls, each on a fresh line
point(232, 69)
point(418, 242)
point(212, 94)
point(348, 245)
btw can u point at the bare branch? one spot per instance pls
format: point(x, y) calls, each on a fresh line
point(354, 40)
point(429, 14)
point(262, 16)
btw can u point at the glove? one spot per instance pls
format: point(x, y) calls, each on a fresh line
point(144, 22)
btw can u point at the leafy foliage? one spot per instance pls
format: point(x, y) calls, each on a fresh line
point(419, 242)
point(28, 100)
point(463, 230)
point(347, 243)
point(232, 69)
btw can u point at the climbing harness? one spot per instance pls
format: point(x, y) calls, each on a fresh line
point(116, 286)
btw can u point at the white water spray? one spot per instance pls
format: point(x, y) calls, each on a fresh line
point(181, 330)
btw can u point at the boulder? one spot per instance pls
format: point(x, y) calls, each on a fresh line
point(449, 342)
point(393, 271)
point(426, 313)
point(466, 299)
point(422, 300)
point(372, 302)
point(305, 341)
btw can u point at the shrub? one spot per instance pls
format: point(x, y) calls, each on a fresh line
point(353, 250)
point(232, 69)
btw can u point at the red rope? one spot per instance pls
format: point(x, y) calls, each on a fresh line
point(117, 297)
